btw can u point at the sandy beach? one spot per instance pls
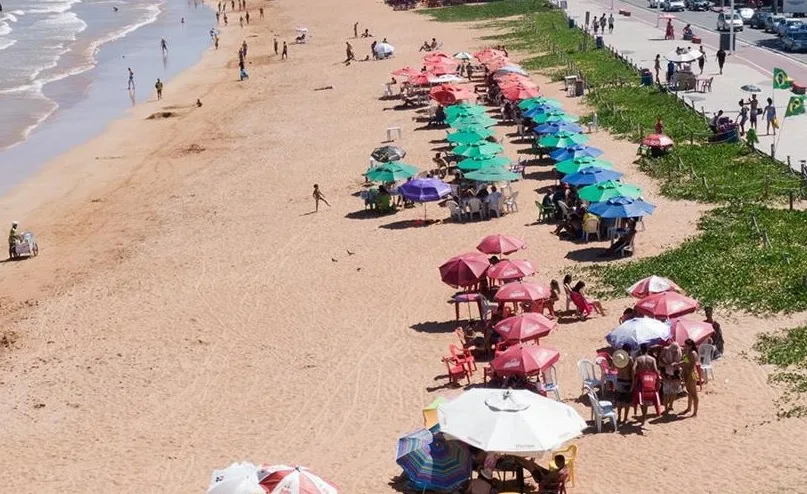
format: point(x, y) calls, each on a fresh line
point(189, 310)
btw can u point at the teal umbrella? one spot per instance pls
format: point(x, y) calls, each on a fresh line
point(554, 116)
point(538, 101)
point(463, 110)
point(608, 190)
point(469, 127)
point(574, 165)
point(562, 140)
point(480, 120)
point(483, 149)
point(469, 137)
point(391, 172)
point(492, 174)
point(472, 164)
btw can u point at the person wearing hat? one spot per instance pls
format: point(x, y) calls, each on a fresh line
point(13, 238)
point(624, 382)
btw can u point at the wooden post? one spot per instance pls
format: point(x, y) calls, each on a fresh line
point(773, 150)
point(691, 137)
point(790, 198)
point(767, 186)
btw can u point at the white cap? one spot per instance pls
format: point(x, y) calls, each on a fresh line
point(14, 223)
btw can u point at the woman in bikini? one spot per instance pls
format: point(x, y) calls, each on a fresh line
point(690, 370)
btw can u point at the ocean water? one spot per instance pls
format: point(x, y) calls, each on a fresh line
point(63, 68)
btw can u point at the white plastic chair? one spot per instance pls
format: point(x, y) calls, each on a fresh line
point(551, 382)
point(495, 208)
point(607, 379)
point(474, 207)
point(456, 212)
point(705, 352)
point(588, 373)
point(511, 203)
point(640, 225)
point(591, 227)
point(602, 410)
point(487, 309)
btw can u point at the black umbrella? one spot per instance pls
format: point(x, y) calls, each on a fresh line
point(385, 154)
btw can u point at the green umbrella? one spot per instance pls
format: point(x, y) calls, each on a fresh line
point(573, 166)
point(608, 190)
point(562, 140)
point(479, 120)
point(481, 149)
point(470, 137)
point(472, 164)
point(528, 103)
point(553, 116)
point(492, 174)
point(390, 172)
point(463, 110)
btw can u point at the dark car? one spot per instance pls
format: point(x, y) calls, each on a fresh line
point(795, 41)
point(698, 4)
point(758, 20)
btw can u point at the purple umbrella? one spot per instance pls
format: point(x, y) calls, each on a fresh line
point(424, 190)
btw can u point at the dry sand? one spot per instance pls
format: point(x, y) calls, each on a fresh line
point(188, 310)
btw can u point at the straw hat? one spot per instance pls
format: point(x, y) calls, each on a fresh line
point(621, 359)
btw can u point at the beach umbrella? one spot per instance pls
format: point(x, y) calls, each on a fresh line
point(524, 327)
point(591, 175)
point(497, 63)
point(421, 79)
point(468, 137)
point(238, 478)
point(424, 190)
point(510, 79)
point(697, 331)
point(540, 100)
point(464, 110)
point(481, 149)
point(488, 53)
point(474, 120)
point(562, 140)
point(390, 172)
point(448, 94)
point(492, 174)
point(500, 244)
point(463, 55)
point(445, 72)
point(554, 128)
point(556, 116)
point(524, 360)
point(284, 479)
point(750, 88)
point(666, 305)
point(518, 93)
point(572, 152)
point(513, 84)
point(406, 72)
point(511, 270)
point(384, 50)
point(467, 126)
point(474, 164)
point(683, 56)
point(539, 109)
point(608, 190)
point(444, 78)
point(385, 154)
point(568, 167)
point(518, 291)
point(437, 57)
point(657, 141)
point(517, 422)
point(652, 285)
point(433, 463)
point(637, 331)
point(464, 269)
point(512, 69)
point(621, 207)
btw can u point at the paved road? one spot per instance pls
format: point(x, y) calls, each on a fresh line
point(708, 21)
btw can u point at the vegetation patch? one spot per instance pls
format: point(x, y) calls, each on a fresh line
point(787, 350)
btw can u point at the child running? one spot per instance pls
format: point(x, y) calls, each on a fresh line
point(318, 196)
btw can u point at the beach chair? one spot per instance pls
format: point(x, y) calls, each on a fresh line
point(511, 203)
point(475, 207)
point(583, 308)
point(544, 212)
point(496, 207)
point(588, 373)
point(454, 209)
point(602, 411)
point(591, 227)
point(463, 356)
point(627, 250)
point(607, 374)
point(467, 345)
point(456, 371)
point(570, 454)
point(646, 393)
point(705, 352)
point(551, 381)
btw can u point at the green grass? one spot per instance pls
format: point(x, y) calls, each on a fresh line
point(728, 265)
point(494, 9)
point(787, 350)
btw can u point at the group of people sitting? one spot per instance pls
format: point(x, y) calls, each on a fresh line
point(426, 46)
point(550, 480)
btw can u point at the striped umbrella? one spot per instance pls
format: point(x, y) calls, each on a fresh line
point(283, 479)
point(432, 462)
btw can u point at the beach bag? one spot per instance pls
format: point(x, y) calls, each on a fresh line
point(775, 123)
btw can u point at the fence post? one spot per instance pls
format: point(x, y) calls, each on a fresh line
point(773, 150)
point(766, 241)
point(756, 225)
point(691, 137)
point(790, 198)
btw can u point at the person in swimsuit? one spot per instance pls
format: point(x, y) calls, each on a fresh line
point(690, 360)
point(753, 104)
point(624, 388)
point(670, 360)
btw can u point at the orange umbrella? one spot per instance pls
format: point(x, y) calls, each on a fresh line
point(518, 93)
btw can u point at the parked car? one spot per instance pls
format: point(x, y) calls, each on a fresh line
point(746, 13)
point(795, 41)
point(725, 21)
point(758, 20)
point(673, 6)
point(789, 25)
point(653, 4)
point(772, 21)
point(697, 5)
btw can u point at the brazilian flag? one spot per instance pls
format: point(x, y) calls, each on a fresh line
point(780, 79)
point(795, 106)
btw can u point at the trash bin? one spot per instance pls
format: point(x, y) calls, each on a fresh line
point(578, 88)
point(599, 43)
point(647, 77)
point(571, 23)
point(726, 43)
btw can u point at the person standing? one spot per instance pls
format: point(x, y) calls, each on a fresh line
point(717, 339)
point(657, 67)
point(743, 118)
point(285, 54)
point(225, 19)
point(611, 24)
point(131, 80)
point(644, 363)
point(702, 59)
point(721, 59)
point(260, 12)
point(244, 48)
point(216, 41)
point(356, 30)
point(690, 370)
point(659, 125)
point(350, 55)
point(318, 196)
point(624, 384)
point(246, 17)
point(275, 45)
point(13, 237)
point(753, 105)
point(218, 18)
point(241, 20)
point(164, 46)
point(159, 87)
point(769, 112)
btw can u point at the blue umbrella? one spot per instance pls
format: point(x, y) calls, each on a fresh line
point(554, 128)
point(591, 175)
point(621, 207)
point(424, 190)
point(573, 152)
point(537, 109)
point(432, 462)
point(640, 330)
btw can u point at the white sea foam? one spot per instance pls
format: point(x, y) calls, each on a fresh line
point(5, 29)
point(55, 6)
point(7, 43)
point(153, 12)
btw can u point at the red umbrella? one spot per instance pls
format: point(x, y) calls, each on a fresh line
point(653, 284)
point(524, 360)
point(657, 141)
point(438, 57)
point(283, 479)
point(487, 54)
point(525, 327)
point(420, 79)
point(513, 83)
point(441, 69)
point(406, 72)
point(464, 270)
point(695, 330)
point(666, 305)
point(511, 269)
point(518, 93)
point(496, 63)
point(500, 244)
point(522, 292)
point(448, 94)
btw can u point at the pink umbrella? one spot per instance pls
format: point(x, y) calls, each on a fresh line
point(657, 141)
point(406, 72)
point(441, 69)
point(500, 244)
point(511, 269)
point(283, 479)
point(525, 327)
point(666, 305)
point(522, 292)
point(420, 79)
point(509, 84)
point(695, 330)
point(437, 56)
point(487, 54)
point(497, 63)
point(464, 270)
point(524, 360)
point(653, 284)
point(518, 93)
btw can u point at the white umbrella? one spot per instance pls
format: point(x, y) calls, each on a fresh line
point(517, 422)
point(463, 55)
point(653, 284)
point(684, 56)
point(511, 69)
point(302, 29)
point(445, 78)
point(284, 479)
point(639, 330)
point(384, 49)
point(238, 478)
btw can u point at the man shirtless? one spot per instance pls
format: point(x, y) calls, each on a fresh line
point(644, 363)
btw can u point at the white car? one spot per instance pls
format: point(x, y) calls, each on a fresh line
point(725, 21)
point(746, 14)
point(673, 6)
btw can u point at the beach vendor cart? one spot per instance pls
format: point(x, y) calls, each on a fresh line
point(25, 246)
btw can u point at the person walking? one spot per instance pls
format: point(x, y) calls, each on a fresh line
point(356, 30)
point(285, 54)
point(611, 24)
point(657, 67)
point(350, 55)
point(131, 80)
point(163, 46)
point(702, 59)
point(246, 17)
point(721, 59)
point(318, 196)
point(769, 112)
point(275, 45)
point(159, 87)
point(225, 19)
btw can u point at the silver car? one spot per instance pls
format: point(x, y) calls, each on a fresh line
point(725, 21)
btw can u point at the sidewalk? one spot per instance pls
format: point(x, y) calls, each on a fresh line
point(638, 39)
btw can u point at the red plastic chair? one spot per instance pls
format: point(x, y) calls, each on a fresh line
point(646, 392)
point(456, 370)
point(463, 356)
point(583, 308)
